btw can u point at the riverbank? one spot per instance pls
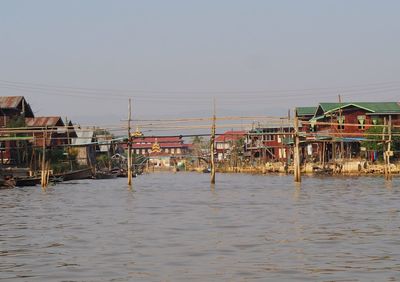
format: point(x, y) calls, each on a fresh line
point(339, 168)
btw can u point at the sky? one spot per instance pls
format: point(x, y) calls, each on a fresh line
point(84, 59)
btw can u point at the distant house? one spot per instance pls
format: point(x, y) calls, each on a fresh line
point(84, 144)
point(305, 114)
point(53, 127)
point(225, 142)
point(269, 142)
point(12, 108)
point(173, 146)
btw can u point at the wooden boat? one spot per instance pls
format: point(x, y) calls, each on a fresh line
point(76, 174)
point(7, 182)
point(54, 179)
point(105, 175)
point(26, 181)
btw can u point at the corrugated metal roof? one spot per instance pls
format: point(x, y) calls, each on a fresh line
point(9, 102)
point(305, 111)
point(44, 121)
point(373, 107)
point(84, 136)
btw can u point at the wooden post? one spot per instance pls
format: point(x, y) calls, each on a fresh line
point(43, 174)
point(68, 144)
point(212, 145)
point(129, 144)
point(297, 171)
point(388, 152)
point(385, 168)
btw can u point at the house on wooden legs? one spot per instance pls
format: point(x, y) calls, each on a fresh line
point(338, 130)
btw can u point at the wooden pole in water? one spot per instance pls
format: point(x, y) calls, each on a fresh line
point(388, 152)
point(68, 144)
point(297, 171)
point(385, 168)
point(43, 174)
point(212, 145)
point(129, 144)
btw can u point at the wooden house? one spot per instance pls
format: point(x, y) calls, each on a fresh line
point(13, 146)
point(52, 128)
point(226, 142)
point(270, 143)
point(85, 146)
point(14, 109)
point(337, 129)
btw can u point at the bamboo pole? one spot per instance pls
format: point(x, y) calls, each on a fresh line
point(212, 145)
point(388, 152)
point(385, 168)
point(68, 144)
point(43, 174)
point(129, 144)
point(297, 171)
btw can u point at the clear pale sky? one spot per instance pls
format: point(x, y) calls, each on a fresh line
point(172, 57)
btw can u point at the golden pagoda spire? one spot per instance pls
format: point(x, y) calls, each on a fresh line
point(156, 147)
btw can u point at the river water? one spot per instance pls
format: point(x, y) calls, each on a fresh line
point(176, 227)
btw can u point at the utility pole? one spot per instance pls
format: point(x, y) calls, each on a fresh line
point(212, 145)
point(129, 144)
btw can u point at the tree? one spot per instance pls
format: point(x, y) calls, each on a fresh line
point(374, 141)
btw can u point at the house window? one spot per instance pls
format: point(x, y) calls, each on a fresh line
point(361, 122)
point(340, 122)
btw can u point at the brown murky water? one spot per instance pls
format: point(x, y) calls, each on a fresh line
point(174, 227)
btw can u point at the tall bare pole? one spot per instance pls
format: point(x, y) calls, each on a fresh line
point(297, 171)
point(385, 168)
point(341, 122)
point(68, 144)
point(43, 174)
point(212, 145)
point(388, 170)
point(129, 144)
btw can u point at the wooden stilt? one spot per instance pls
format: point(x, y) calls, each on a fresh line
point(297, 171)
point(385, 167)
point(212, 146)
point(129, 145)
point(389, 152)
point(43, 174)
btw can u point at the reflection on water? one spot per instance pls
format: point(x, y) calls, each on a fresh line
point(176, 227)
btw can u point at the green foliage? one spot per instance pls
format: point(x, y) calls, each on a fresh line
point(374, 142)
point(103, 161)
